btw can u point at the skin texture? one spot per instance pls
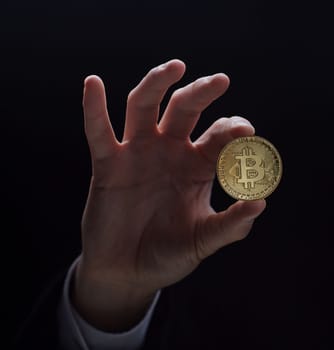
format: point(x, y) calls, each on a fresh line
point(148, 221)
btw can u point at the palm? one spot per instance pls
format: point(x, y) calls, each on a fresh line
point(171, 194)
point(149, 211)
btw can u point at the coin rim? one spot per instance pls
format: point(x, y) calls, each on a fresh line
point(265, 141)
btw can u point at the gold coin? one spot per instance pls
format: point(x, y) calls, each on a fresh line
point(249, 168)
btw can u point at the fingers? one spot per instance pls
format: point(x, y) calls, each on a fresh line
point(187, 103)
point(228, 226)
point(99, 132)
point(220, 133)
point(143, 102)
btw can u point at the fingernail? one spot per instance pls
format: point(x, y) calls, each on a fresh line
point(239, 121)
point(209, 78)
point(204, 80)
point(164, 65)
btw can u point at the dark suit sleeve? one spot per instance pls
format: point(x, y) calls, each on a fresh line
point(40, 329)
point(187, 316)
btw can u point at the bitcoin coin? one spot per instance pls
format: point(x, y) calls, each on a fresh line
point(249, 168)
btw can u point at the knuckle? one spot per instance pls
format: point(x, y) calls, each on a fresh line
point(201, 249)
point(132, 95)
point(183, 103)
point(221, 124)
point(241, 234)
point(154, 72)
point(219, 128)
point(177, 96)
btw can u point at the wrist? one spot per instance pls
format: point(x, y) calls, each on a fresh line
point(108, 304)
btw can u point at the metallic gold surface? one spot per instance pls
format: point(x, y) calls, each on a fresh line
point(249, 168)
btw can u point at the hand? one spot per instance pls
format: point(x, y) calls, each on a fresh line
point(148, 221)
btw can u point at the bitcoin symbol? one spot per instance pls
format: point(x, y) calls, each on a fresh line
point(251, 169)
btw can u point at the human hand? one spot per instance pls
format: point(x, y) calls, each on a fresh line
point(148, 221)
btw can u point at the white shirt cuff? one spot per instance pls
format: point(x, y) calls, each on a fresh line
point(76, 333)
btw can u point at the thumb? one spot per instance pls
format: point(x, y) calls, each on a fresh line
point(227, 227)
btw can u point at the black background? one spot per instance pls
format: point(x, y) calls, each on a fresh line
point(278, 56)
